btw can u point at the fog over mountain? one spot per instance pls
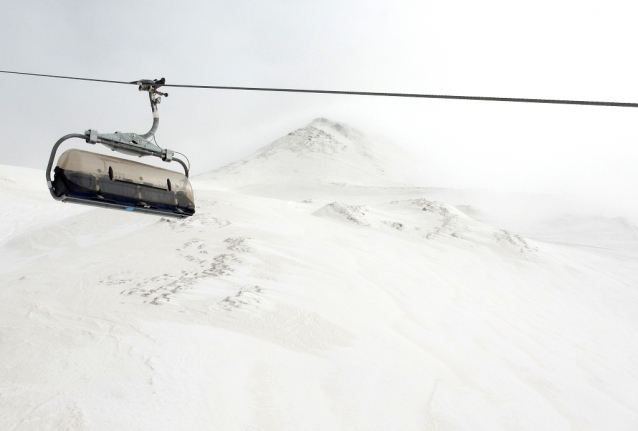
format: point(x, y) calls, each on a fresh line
point(320, 285)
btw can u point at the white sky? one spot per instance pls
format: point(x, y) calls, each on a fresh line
point(537, 49)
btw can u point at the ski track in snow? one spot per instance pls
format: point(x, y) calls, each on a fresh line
point(316, 288)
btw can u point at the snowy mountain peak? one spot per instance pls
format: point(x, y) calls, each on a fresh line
point(323, 151)
point(320, 136)
point(332, 127)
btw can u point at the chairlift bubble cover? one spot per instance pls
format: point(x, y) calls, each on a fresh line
point(99, 180)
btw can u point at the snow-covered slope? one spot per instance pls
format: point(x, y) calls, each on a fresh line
point(313, 290)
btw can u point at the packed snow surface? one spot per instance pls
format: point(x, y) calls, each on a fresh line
point(317, 289)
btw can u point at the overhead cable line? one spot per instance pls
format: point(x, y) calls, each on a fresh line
point(66, 77)
point(354, 93)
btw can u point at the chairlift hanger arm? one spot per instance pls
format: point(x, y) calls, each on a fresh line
point(155, 98)
point(136, 144)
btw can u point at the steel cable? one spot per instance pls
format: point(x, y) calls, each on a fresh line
point(354, 93)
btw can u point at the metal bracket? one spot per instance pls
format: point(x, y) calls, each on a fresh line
point(129, 143)
point(167, 155)
point(91, 136)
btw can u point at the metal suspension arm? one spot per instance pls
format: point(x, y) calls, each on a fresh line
point(132, 143)
point(155, 97)
point(154, 127)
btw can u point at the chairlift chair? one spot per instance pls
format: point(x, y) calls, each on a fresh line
point(87, 178)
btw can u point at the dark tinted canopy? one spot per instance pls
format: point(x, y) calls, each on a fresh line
point(100, 165)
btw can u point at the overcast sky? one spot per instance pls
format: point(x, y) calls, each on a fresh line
point(538, 49)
